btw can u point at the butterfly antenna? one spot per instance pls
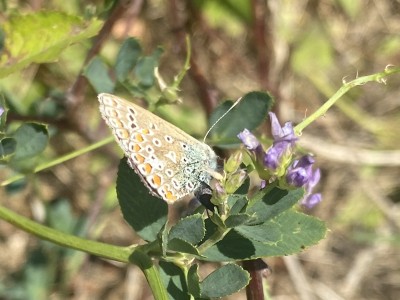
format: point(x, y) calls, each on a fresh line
point(219, 119)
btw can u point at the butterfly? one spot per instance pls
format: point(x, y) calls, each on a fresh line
point(170, 162)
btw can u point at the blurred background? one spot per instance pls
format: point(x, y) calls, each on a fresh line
point(301, 52)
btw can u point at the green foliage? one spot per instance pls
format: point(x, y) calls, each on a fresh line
point(249, 113)
point(97, 73)
point(135, 199)
point(7, 148)
point(23, 148)
point(174, 280)
point(189, 229)
point(224, 281)
point(144, 69)
point(31, 140)
point(267, 204)
point(41, 37)
point(261, 226)
point(250, 226)
point(288, 233)
point(37, 277)
point(127, 58)
point(132, 69)
point(193, 281)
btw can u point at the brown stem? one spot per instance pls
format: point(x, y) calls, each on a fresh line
point(76, 93)
point(208, 94)
point(262, 40)
point(257, 268)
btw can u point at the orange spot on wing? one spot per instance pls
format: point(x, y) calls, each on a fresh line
point(139, 137)
point(139, 158)
point(122, 133)
point(148, 168)
point(170, 196)
point(157, 180)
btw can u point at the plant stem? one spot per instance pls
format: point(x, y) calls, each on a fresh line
point(66, 240)
point(60, 160)
point(378, 77)
point(215, 238)
point(129, 254)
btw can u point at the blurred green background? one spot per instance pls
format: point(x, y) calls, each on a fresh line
point(300, 51)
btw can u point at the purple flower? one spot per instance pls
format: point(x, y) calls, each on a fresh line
point(300, 172)
point(249, 140)
point(311, 200)
point(311, 180)
point(274, 154)
point(1, 110)
point(284, 141)
point(282, 134)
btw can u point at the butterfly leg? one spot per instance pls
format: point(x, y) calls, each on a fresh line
point(204, 194)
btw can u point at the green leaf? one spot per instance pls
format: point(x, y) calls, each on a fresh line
point(211, 228)
point(97, 74)
point(249, 113)
point(290, 232)
point(237, 203)
point(244, 188)
point(265, 233)
point(190, 229)
point(31, 140)
point(193, 281)
point(37, 274)
point(7, 149)
point(60, 216)
point(41, 37)
point(182, 246)
point(16, 186)
point(224, 281)
point(236, 220)
point(145, 66)
point(174, 279)
point(127, 58)
point(268, 204)
point(145, 213)
point(216, 219)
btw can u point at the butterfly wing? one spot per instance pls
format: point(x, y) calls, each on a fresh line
point(170, 162)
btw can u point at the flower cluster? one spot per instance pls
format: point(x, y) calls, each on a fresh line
point(278, 160)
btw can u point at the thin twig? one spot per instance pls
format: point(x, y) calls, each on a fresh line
point(262, 41)
point(208, 94)
point(76, 93)
point(298, 277)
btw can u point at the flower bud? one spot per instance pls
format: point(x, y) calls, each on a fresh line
point(235, 181)
point(233, 162)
